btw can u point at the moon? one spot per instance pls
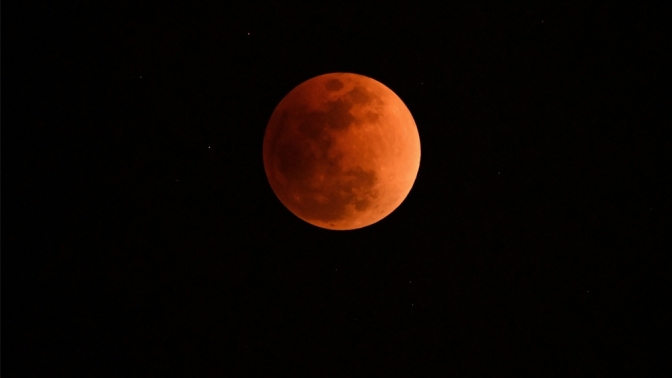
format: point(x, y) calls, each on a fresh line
point(341, 151)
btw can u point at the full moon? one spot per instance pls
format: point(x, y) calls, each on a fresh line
point(341, 151)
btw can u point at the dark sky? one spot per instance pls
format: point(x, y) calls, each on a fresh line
point(143, 238)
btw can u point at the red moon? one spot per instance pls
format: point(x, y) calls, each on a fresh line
point(341, 151)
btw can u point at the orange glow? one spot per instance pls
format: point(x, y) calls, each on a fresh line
point(341, 151)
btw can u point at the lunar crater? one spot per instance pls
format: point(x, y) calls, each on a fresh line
point(331, 201)
point(333, 85)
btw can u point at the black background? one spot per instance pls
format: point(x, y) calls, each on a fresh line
point(146, 241)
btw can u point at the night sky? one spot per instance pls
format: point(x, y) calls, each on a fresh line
point(142, 237)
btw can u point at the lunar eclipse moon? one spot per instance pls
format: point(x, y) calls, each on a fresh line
point(341, 151)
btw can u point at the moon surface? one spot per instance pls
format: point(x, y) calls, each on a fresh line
point(341, 151)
